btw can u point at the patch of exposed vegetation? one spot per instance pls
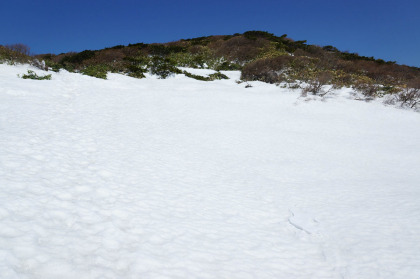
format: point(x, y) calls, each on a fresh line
point(33, 75)
point(259, 55)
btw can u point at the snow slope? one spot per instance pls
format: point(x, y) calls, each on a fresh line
point(178, 178)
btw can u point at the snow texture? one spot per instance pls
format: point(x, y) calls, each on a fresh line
point(179, 178)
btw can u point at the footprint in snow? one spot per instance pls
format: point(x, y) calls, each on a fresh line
point(303, 221)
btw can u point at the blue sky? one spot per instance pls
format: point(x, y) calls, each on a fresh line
point(385, 29)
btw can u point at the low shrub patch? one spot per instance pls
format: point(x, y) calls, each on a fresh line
point(163, 67)
point(211, 77)
point(98, 71)
point(218, 75)
point(33, 75)
point(228, 66)
point(270, 70)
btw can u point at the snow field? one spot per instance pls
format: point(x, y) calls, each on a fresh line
point(178, 178)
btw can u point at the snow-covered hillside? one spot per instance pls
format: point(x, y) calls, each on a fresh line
point(178, 178)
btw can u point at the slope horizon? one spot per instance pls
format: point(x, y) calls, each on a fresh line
point(211, 35)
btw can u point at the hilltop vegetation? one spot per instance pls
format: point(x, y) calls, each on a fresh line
point(258, 55)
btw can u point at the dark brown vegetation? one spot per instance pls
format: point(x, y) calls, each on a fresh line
point(410, 94)
point(17, 53)
point(20, 48)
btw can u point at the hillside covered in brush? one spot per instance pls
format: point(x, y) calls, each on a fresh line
point(259, 55)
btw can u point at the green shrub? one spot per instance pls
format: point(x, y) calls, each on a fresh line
point(218, 75)
point(98, 71)
point(70, 68)
point(78, 58)
point(197, 77)
point(137, 66)
point(55, 67)
point(163, 67)
point(116, 47)
point(211, 77)
point(186, 59)
point(228, 66)
point(341, 78)
point(138, 45)
point(253, 35)
point(389, 89)
point(136, 71)
point(198, 41)
point(162, 50)
point(330, 48)
point(33, 75)
point(50, 64)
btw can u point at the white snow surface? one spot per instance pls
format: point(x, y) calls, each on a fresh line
point(178, 178)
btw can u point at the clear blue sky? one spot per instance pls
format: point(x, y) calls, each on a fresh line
point(385, 29)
